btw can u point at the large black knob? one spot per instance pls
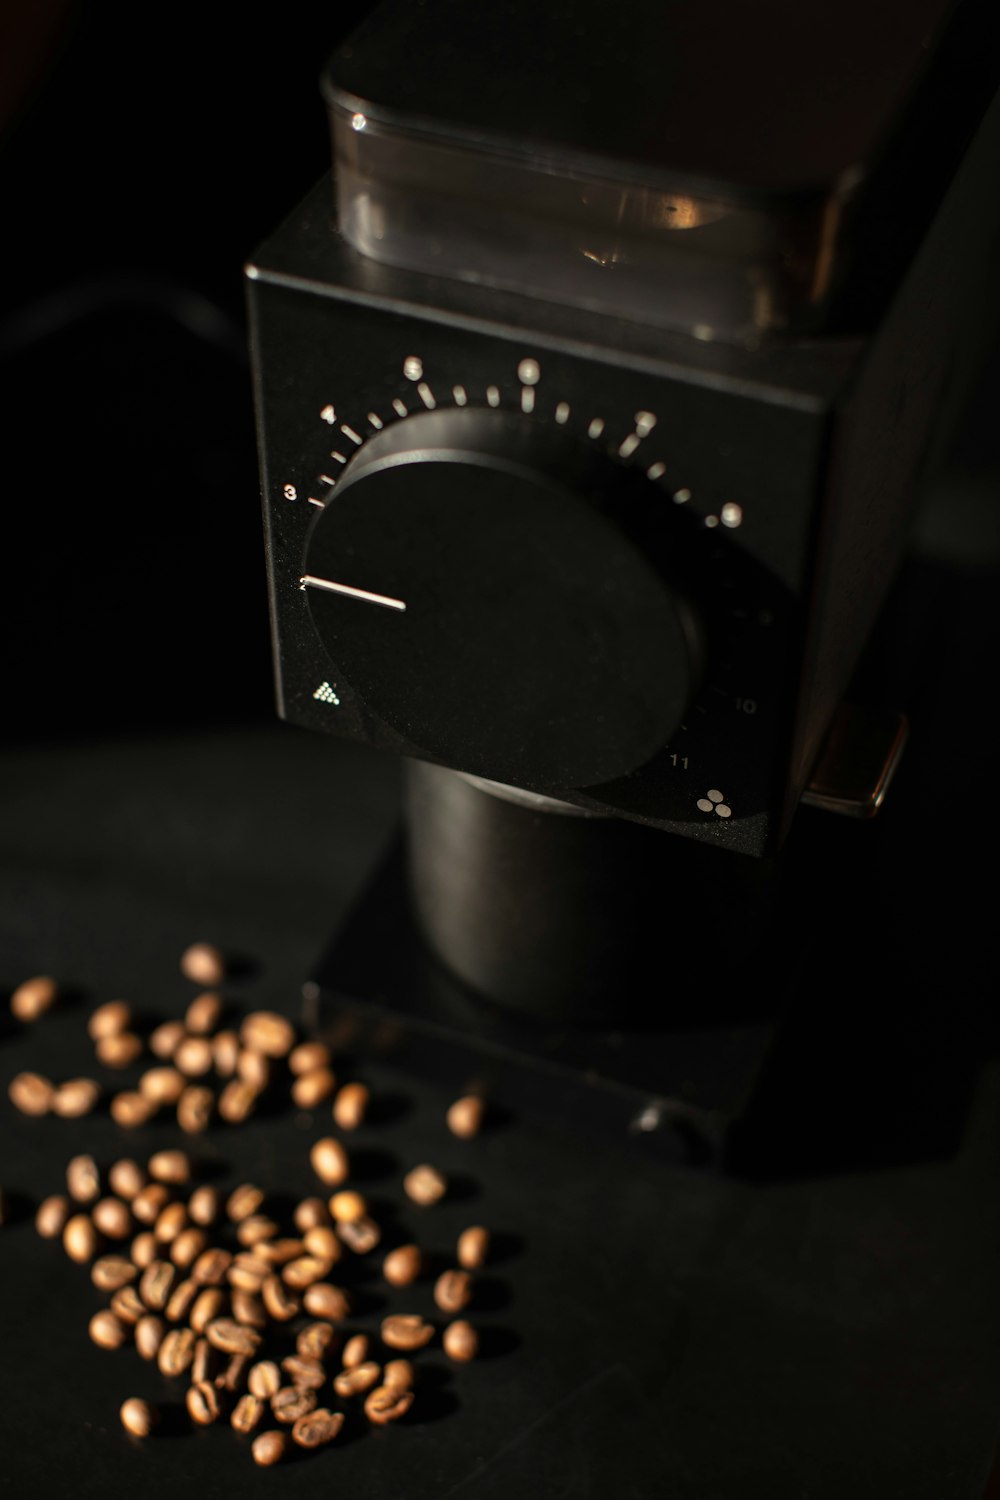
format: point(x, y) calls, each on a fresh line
point(504, 598)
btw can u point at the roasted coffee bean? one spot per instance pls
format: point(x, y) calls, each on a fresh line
point(360, 1235)
point(249, 1271)
point(127, 1305)
point(350, 1106)
point(347, 1207)
point(292, 1402)
point(424, 1185)
point(143, 1249)
point(107, 1331)
point(234, 1375)
point(150, 1201)
point(149, 1334)
point(355, 1351)
point(307, 1057)
point(176, 1353)
point(33, 997)
point(83, 1179)
point(203, 1404)
point(166, 1038)
point(323, 1242)
point(131, 1109)
point(316, 1340)
point(156, 1283)
point(204, 1013)
point(403, 1265)
point(211, 1266)
point(208, 1305)
point(31, 1093)
point(358, 1379)
point(305, 1271)
point(194, 1057)
point(473, 1247)
point(279, 1252)
point(255, 1229)
point(247, 1414)
point(253, 1069)
point(204, 964)
point(119, 1051)
point(75, 1098)
point(205, 1361)
point(281, 1303)
point(203, 1206)
point(232, 1337)
point(248, 1309)
point(110, 1019)
point(266, 1031)
point(460, 1341)
point(183, 1297)
point(194, 1109)
point(453, 1291)
point(398, 1375)
point(126, 1178)
point(310, 1089)
point(406, 1331)
point(170, 1222)
point(311, 1213)
point(465, 1116)
point(111, 1217)
point(111, 1272)
point(50, 1220)
point(269, 1448)
point(310, 1374)
point(187, 1247)
point(329, 1162)
point(237, 1101)
point(323, 1300)
point(387, 1404)
point(79, 1239)
point(138, 1417)
point(264, 1378)
point(162, 1085)
point(225, 1053)
point(171, 1167)
point(244, 1201)
point(317, 1427)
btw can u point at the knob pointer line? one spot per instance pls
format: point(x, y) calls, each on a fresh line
point(309, 581)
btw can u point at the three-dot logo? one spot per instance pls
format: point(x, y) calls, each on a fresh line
point(714, 803)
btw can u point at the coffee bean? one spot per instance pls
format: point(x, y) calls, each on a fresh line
point(138, 1417)
point(149, 1334)
point(232, 1337)
point(208, 1305)
point(316, 1340)
point(291, 1402)
point(203, 964)
point(264, 1379)
point(406, 1331)
point(424, 1185)
point(253, 1069)
point(329, 1162)
point(358, 1379)
point(403, 1265)
point(279, 1252)
point(204, 1363)
point(244, 1201)
point(80, 1239)
point(249, 1309)
point(150, 1201)
point(305, 1271)
point(203, 1206)
point(194, 1057)
point(350, 1106)
point(323, 1300)
point(166, 1038)
point(347, 1207)
point(234, 1375)
point(269, 1448)
point(156, 1283)
point(162, 1085)
point(143, 1249)
point(317, 1427)
point(33, 997)
point(176, 1353)
point(111, 1272)
point(453, 1291)
point(107, 1331)
point(211, 1266)
point(50, 1219)
point(187, 1247)
point(83, 1179)
point(172, 1167)
point(355, 1351)
point(225, 1053)
point(473, 1247)
point(203, 1404)
point(360, 1235)
point(127, 1305)
point(247, 1413)
point(111, 1217)
point(465, 1116)
point(182, 1299)
point(126, 1178)
point(323, 1242)
point(266, 1031)
point(119, 1051)
point(398, 1375)
point(310, 1089)
point(280, 1302)
point(302, 1371)
point(194, 1109)
point(387, 1404)
point(255, 1229)
point(237, 1101)
point(204, 1013)
point(311, 1213)
point(110, 1019)
point(460, 1341)
point(308, 1057)
point(76, 1098)
point(170, 1222)
point(130, 1109)
point(249, 1271)
point(31, 1093)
